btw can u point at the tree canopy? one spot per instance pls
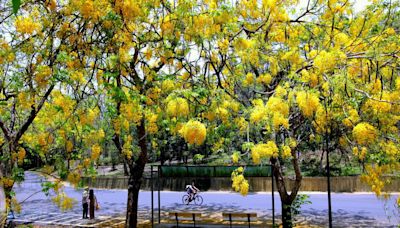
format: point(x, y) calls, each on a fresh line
point(245, 82)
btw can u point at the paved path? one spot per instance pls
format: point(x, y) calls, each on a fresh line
point(349, 209)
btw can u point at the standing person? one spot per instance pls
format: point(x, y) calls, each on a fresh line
point(85, 203)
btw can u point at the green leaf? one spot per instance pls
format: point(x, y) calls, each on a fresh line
point(16, 4)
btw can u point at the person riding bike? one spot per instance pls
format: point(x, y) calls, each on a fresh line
point(191, 190)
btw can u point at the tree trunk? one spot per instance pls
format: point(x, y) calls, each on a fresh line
point(126, 172)
point(287, 215)
point(287, 199)
point(133, 198)
point(135, 178)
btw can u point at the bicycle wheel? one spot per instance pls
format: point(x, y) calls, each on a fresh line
point(198, 200)
point(185, 199)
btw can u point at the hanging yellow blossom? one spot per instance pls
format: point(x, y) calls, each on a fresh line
point(264, 150)
point(308, 103)
point(279, 120)
point(26, 25)
point(286, 152)
point(235, 157)
point(194, 132)
point(364, 133)
point(276, 104)
point(167, 86)
point(239, 183)
point(264, 79)
point(74, 178)
point(259, 113)
point(21, 155)
point(249, 80)
point(96, 150)
point(178, 107)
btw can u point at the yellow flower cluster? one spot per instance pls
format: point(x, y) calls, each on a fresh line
point(286, 152)
point(279, 120)
point(96, 150)
point(130, 8)
point(132, 111)
point(42, 75)
point(241, 123)
point(223, 45)
point(194, 132)
point(352, 119)
point(364, 133)
point(178, 107)
point(249, 79)
point(21, 155)
point(279, 110)
point(26, 25)
point(63, 102)
point(275, 108)
point(391, 149)
point(91, 9)
point(278, 105)
point(74, 178)
point(152, 127)
point(324, 61)
point(341, 39)
point(222, 114)
point(264, 79)
point(87, 117)
point(310, 78)
point(167, 86)
point(308, 102)
point(63, 201)
point(259, 113)
point(264, 150)
point(378, 106)
point(360, 154)
point(26, 99)
point(373, 177)
point(127, 148)
point(218, 145)
point(239, 183)
point(235, 157)
point(7, 182)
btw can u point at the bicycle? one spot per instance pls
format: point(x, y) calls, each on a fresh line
point(198, 200)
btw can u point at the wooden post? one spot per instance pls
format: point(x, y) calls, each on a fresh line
point(91, 205)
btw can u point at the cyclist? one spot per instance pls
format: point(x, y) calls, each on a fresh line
point(191, 190)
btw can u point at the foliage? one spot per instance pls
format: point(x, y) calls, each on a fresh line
point(301, 199)
point(198, 158)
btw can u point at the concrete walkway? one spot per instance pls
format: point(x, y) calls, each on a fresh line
point(349, 209)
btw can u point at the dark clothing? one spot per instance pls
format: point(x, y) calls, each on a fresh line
point(85, 210)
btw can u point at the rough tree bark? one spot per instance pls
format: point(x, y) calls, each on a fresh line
point(287, 199)
point(135, 178)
